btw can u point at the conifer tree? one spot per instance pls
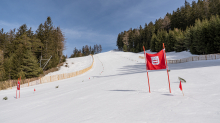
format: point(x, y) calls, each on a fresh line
point(166, 23)
point(2, 39)
point(119, 43)
point(131, 42)
point(22, 30)
point(188, 38)
point(158, 25)
point(30, 67)
point(100, 48)
point(8, 39)
point(170, 42)
point(83, 50)
point(214, 7)
point(36, 46)
point(8, 68)
point(214, 34)
point(97, 48)
point(86, 50)
point(125, 48)
point(2, 70)
point(153, 43)
point(150, 31)
point(180, 44)
point(161, 38)
point(90, 50)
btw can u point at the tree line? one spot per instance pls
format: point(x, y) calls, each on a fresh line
point(193, 27)
point(22, 50)
point(86, 50)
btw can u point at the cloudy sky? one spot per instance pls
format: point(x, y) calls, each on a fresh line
point(85, 22)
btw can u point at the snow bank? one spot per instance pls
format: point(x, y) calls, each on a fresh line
point(73, 65)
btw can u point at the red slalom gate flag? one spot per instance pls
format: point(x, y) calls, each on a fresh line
point(18, 88)
point(180, 86)
point(155, 61)
point(18, 85)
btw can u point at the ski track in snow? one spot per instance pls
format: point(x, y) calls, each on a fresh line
point(115, 90)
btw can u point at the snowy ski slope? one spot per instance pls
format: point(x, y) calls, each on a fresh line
point(115, 90)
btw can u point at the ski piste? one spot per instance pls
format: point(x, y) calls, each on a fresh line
point(115, 90)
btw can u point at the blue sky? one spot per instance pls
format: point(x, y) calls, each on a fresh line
point(85, 22)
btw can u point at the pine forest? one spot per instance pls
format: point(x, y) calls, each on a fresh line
point(193, 27)
point(86, 50)
point(22, 51)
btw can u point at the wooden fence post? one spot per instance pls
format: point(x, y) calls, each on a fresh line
point(10, 84)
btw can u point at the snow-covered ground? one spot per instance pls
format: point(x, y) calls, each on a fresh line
point(73, 65)
point(115, 90)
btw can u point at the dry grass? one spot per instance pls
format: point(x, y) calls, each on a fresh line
point(141, 57)
point(52, 69)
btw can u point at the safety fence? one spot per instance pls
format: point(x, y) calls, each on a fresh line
point(193, 58)
point(13, 83)
point(40, 80)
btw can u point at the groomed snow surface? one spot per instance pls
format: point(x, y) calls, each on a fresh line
point(115, 90)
